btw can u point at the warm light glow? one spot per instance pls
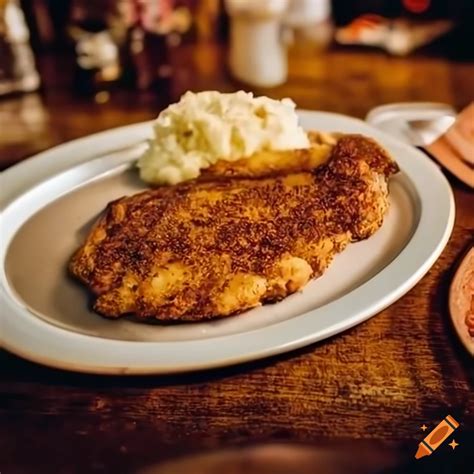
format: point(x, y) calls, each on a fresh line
point(417, 6)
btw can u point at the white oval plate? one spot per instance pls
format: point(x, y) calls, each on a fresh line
point(363, 280)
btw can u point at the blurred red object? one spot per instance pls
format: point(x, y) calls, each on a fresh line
point(417, 6)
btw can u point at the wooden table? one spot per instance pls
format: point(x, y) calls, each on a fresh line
point(378, 382)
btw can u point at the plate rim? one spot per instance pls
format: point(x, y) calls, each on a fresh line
point(141, 357)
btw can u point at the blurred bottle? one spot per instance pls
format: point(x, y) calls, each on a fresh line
point(97, 66)
point(310, 22)
point(206, 19)
point(258, 48)
point(17, 66)
point(145, 29)
point(144, 52)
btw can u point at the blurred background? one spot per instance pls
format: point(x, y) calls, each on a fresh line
point(72, 67)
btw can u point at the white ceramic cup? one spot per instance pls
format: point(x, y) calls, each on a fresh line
point(258, 50)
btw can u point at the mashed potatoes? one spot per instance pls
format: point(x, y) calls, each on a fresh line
point(203, 128)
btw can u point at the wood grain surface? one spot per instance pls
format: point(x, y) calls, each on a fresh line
point(377, 382)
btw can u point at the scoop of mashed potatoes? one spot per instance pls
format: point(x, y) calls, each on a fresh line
point(205, 127)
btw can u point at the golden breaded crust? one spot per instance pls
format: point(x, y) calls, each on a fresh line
point(207, 249)
point(272, 163)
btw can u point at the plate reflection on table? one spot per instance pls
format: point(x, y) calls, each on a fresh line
point(359, 458)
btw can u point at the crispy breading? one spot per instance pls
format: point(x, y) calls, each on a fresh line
point(271, 163)
point(207, 249)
